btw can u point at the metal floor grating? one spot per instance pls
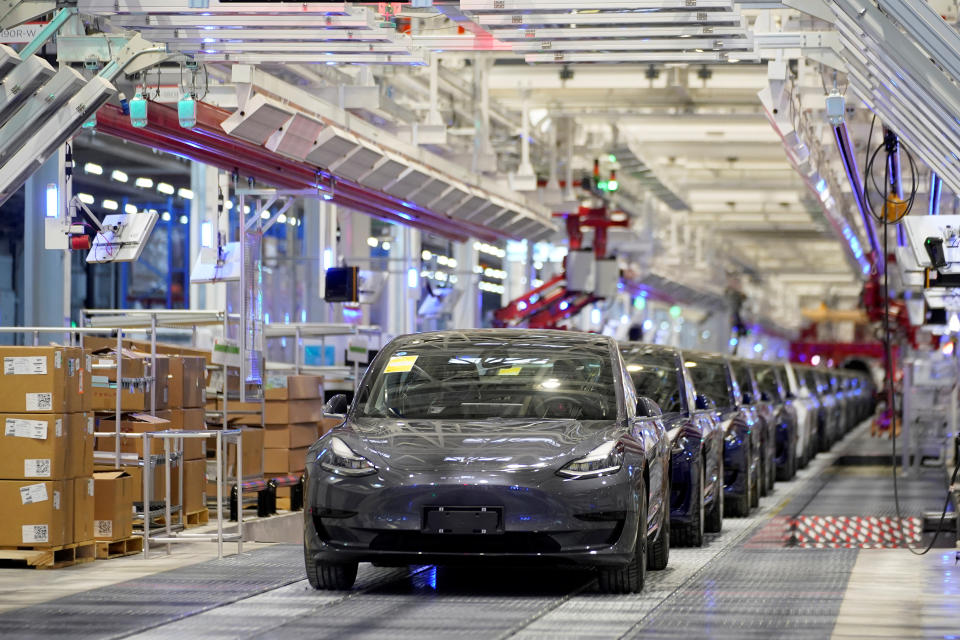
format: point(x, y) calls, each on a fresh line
point(736, 586)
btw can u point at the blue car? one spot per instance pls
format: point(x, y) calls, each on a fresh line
point(696, 442)
point(713, 377)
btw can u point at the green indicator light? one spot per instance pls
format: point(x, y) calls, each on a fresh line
point(612, 185)
point(675, 311)
point(612, 158)
point(602, 185)
point(639, 302)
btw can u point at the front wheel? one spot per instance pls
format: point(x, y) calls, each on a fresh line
point(714, 521)
point(629, 578)
point(328, 576)
point(658, 553)
point(690, 534)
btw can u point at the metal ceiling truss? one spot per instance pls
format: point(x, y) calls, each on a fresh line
point(907, 73)
point(663, 31)
point(251, 33)
point(351, 148)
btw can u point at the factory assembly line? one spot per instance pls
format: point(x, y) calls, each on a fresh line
point(479, 318)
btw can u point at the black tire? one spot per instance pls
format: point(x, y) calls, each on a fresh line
point(629, 578)
point(739, 506)
point(331, 577)
point(763, 471)
point(690, 534)
point(714, 522)
point(658, 553)
point(788, 469)
point(757, 487)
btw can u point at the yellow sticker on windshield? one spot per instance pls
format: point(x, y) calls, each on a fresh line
point(509, 371)
point(400, 364)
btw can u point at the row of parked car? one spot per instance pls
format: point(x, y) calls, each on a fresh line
point(524, 447)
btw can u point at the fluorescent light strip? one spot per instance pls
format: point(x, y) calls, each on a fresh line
point(209, 8)
point(666, 56)
point(563, 33)
point(610, 18)
point(637, 45)
point(253, 35)
point(343, 58)
point(477, 6)
point(317, 49)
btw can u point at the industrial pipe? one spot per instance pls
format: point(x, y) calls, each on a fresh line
point(935, 186)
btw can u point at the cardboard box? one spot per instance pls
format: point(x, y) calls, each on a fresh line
point(252, 439)
point(193, 419)
point(40, 380)
point(132, 423)
point(83, 492)
point(281, 387)
point(187, 381)
point(241, 413)
point(289, 436)
point(80, 428)
point(292, 411)
point(194, 486)
point(135, 393)
point(35, 446)
point(34, 513)
point(113, 505)
point(326, 424)
point(157, 483)
point(284, 460)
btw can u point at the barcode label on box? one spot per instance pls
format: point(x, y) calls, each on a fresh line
point(19, 428)
point(33, 493)
point(59, 427)
point(36, 468)
point(32, 533)
point(39, 402)
point(57, 359)
point(56, 500)
point(103, 528)
point(90, 487)
point(90, 426)
point(25, 366)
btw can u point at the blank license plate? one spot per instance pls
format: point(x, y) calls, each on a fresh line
point(462, 520)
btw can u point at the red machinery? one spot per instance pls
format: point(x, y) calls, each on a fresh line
point(553, 302)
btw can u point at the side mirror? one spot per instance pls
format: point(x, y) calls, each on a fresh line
point(704, 403)
point(336, 407)
point(647, 408)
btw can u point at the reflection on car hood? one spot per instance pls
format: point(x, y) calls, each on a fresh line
point(513, 445)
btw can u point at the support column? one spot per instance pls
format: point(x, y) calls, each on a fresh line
point(205, 182)
point(45, 289)
point(466, 313)
point(402, 300)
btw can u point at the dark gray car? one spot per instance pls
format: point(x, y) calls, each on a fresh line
point(490, 445)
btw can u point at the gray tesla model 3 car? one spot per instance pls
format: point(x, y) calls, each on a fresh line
point(519, 446)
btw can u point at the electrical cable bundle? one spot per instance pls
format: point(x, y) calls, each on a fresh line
point(891, 145)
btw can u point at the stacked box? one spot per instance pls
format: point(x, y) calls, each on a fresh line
point(46, 442)
point(135, 392)
point(292, 413)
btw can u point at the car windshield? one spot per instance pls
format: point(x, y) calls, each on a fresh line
point(491, 378)
point(655, 376)
point(767, 381)
point(710, 379)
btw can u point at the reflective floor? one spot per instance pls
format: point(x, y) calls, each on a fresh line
point(796, 568)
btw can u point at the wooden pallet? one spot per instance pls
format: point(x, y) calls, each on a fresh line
point(118, 548)
point(49, 558)
point(197, 518)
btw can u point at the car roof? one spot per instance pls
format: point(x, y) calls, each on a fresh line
point(555, 336)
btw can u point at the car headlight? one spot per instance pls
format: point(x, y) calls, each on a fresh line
point(342, 460)
point(605, 459)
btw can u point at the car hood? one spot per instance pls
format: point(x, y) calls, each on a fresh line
point(511, 445)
